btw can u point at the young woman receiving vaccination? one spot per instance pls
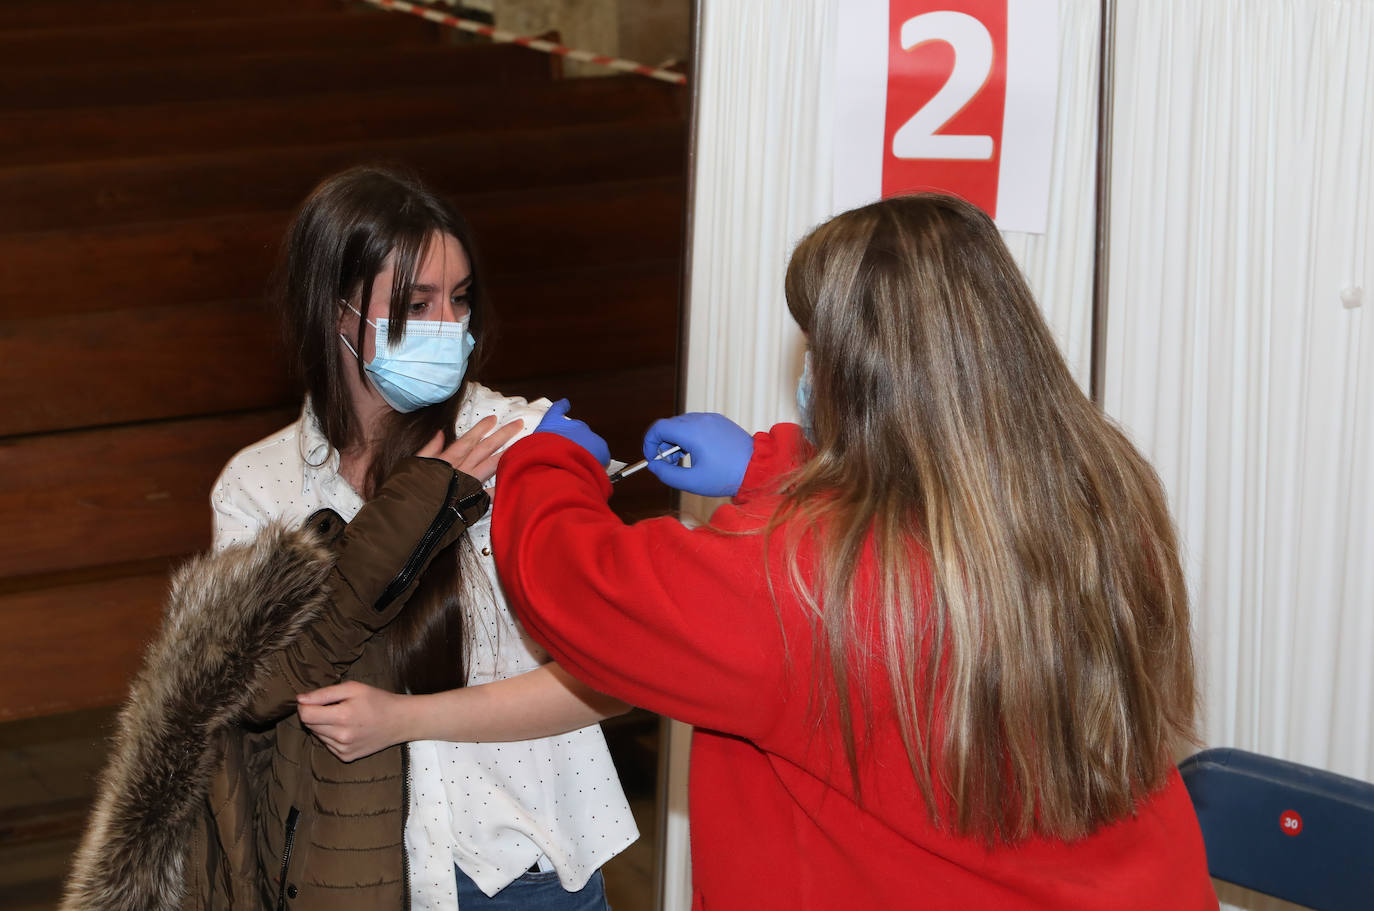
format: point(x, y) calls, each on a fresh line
point(502, 784)
point(937, 648)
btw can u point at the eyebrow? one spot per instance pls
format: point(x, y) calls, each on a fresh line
point(430, 289)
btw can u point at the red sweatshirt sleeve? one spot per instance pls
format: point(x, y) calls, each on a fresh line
point(775, 452)
point(679, 621)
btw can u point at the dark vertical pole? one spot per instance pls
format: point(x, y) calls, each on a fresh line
point(665, 740)
point(689, 213)
point(1105, 88)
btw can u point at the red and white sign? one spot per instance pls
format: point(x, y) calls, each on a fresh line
point(1290, 822)
point(950, 95)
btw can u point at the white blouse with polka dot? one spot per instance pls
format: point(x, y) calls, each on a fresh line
point(494, 809)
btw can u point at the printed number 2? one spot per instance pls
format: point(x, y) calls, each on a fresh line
point(917, 138)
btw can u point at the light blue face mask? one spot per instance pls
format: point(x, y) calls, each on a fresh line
point(804, 399)
point(424, 368)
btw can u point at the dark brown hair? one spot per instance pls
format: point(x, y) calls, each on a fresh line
point(337, 244)
point(1042, 670)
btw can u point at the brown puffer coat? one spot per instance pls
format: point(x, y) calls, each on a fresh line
point(215, 796)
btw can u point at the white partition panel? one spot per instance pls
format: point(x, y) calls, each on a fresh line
point(1059, 263)
point(1240, 357)
point(1238, 345)
point(763, 158)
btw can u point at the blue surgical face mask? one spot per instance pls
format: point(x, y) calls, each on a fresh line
point(804, 399)
point(424, 368)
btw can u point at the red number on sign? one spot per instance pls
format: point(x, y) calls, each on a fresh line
point(917, 138)
point(946, 90)
point(1290, 822)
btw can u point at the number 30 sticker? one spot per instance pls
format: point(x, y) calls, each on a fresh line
point(952, 95)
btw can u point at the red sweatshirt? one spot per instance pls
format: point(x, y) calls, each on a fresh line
point(682, 622)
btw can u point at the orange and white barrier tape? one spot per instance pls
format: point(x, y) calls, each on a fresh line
point(538, 44)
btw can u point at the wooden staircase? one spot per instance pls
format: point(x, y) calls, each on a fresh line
point(152, 152)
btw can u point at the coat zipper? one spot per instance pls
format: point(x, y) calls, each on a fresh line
point(292, 818)
point(437, 529)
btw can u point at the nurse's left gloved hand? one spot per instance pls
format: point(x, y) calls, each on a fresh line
point(556, 421)
point(720, 451)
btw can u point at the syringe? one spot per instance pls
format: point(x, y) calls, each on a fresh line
point(631, 469)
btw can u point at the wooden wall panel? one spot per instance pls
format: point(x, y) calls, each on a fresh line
point(90, 498)
point(75, 646)
point(562, 322)
point(229, 257)
point(75, 84)
point(180, 128)
point(126, 266)
point(57, 14)
point(155, 363)
point(85, 194)
point(170, 40)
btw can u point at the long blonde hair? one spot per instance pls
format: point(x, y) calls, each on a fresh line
point(1042, 670)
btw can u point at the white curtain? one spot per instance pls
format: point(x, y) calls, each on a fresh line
point(763, 160)
point(1239, 358)
point(1243, 176)
point(1059, 263)
point(762, 168)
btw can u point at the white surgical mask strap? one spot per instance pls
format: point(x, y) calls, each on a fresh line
point(360, 315)
point(344, 338)
point(350, 348)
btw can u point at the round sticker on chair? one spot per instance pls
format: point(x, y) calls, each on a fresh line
point(1290, 822)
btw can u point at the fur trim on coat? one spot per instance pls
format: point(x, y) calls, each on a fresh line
point(226, 615)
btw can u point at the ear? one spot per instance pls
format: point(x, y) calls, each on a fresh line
point(347, 322)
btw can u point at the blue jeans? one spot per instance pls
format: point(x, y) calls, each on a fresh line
point(533, 892)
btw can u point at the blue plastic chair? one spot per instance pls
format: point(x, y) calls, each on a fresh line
point(1294, 832)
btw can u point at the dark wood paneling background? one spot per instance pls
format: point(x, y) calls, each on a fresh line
point(150, 159)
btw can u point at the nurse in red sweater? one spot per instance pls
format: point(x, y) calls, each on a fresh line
point(936, 649)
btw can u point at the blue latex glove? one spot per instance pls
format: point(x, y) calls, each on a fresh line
point(720, 451)
point(556, 421)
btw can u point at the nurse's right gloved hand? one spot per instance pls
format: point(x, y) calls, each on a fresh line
point(720, 451)
point(556, 420)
